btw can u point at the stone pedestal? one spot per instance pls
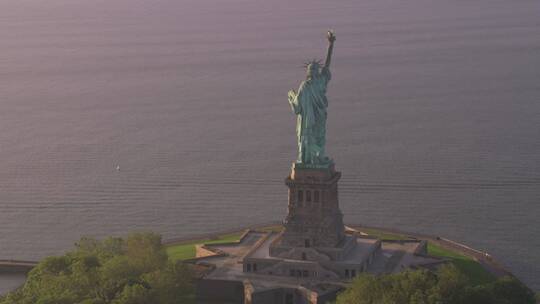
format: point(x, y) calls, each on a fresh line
point(313, 244)
point(314, 219)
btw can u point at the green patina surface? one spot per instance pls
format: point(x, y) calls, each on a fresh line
point(310, 104)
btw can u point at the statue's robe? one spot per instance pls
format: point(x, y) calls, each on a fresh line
point(310, 106)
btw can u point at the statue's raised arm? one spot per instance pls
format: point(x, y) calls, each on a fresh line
point(331, 38)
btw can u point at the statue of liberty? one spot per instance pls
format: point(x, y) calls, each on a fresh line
point(309, 105)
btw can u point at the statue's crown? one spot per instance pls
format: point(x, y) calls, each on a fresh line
point(312, 64)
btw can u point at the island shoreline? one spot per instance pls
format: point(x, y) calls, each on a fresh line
point(483, 258)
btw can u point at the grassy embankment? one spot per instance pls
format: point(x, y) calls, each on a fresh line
point(186, 250)
point(472, 269)
point(383, 234)
point(476, 273)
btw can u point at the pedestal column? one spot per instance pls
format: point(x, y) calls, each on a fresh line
point(314, 218)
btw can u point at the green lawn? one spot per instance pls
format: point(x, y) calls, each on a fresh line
point(186, 250)
point(383, 235)
point(275, 228)
point(472, 269)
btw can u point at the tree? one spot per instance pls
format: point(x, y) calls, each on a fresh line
point(505, 290)
point(446, 286)
point(134, 270)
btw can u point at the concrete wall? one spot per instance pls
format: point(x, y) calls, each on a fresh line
point(280, 295)
point(235, 292)
point(273, 296)
point(15, 266)
point(328, 298)
point(15, 269)
point(421, 249)
point(202, 251)
point(263, 265)
point(219, 291)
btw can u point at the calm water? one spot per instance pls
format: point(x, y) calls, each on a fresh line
point(434, 118)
